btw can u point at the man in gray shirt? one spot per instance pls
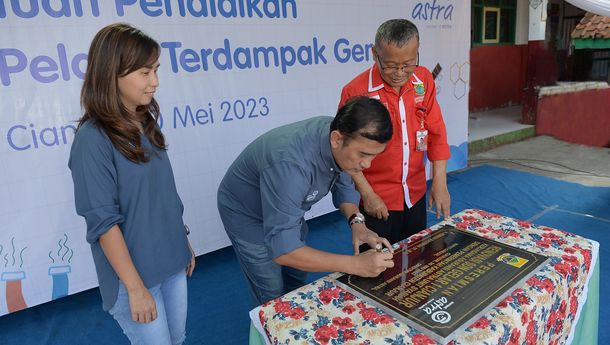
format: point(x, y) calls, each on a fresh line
point(265, 193)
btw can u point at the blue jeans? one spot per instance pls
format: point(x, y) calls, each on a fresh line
point(266, 279)
point(170, 325)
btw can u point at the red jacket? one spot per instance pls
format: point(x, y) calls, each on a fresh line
point(398, 175)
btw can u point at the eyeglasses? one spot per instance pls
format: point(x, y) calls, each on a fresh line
point(395, 69)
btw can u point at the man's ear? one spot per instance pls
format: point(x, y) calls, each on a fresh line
point(336, 139)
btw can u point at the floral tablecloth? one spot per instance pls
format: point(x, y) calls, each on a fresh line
point(542, 311)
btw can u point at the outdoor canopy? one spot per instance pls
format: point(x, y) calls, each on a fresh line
point(601, 7)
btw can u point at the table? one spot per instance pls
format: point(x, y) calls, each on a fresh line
point(557, 305)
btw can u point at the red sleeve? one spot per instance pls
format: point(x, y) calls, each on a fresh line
point(438, 149)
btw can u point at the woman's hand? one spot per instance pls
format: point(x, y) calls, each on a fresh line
point(142, 305)
point(191, 266)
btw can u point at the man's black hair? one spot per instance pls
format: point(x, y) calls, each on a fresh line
point(366, 117)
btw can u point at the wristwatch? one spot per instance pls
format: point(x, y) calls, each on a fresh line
point(356, 218)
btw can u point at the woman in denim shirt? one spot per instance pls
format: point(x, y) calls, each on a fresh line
point(124, 188)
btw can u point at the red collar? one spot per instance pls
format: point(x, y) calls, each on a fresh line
point(376, 82)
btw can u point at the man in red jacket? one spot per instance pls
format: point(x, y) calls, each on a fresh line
point(393, 189)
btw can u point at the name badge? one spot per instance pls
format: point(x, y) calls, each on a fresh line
point(422, 140)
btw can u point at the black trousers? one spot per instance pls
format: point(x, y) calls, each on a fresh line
point(400, 224)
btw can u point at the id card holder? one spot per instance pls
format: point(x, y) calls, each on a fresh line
point(421, 136)
point(422, 139)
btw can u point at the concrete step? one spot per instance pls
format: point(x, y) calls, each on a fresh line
point(485, 144)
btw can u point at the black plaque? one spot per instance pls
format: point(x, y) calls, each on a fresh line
point(445, 281)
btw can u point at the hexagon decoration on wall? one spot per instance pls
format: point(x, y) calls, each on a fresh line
point(460, 75)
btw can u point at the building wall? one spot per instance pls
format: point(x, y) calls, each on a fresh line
point(575, 117)
point(497, 76)
point(497, 73)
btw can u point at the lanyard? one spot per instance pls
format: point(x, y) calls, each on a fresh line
point(421, 135)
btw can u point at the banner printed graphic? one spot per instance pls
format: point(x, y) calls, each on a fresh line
point(230, 71)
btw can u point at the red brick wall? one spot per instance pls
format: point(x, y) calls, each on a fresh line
point(579, 117)
point(497, 76)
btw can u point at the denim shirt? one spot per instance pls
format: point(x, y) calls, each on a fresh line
point(276, 179)
point(141, 198)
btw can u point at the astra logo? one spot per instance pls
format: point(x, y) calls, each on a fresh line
point(432, 10)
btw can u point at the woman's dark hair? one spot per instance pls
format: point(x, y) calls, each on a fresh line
point(117, 50)
point(366, 117)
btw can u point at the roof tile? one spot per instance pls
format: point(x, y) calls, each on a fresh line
point(592, 26)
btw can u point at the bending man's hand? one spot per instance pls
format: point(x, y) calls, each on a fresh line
point(361, 234)
point(371, 263)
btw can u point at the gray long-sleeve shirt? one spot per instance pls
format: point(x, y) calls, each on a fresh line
point(141, 198)
point(277, 178)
